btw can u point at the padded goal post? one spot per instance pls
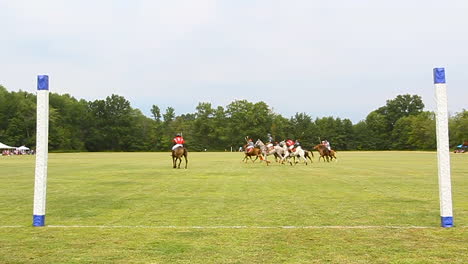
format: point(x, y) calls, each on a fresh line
point(443, 152)
point(42, 138)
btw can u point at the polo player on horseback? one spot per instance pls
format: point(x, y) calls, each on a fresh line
point(178, 141)
point(250, 145)
point(326, 144)
point(297, 143)
point(290, 145)
point(269, 144)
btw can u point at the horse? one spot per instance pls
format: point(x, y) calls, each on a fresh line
point(325, 153)
point(284, 152)
point(269, 151)
point(177, 155)
point(298, 152)
point(253, 152)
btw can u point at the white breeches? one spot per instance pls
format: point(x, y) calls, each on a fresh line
point(176, 146)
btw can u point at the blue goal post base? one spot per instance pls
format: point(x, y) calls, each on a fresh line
point(446, 221)
point(38, 220)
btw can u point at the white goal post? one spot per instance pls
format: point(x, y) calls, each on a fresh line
point(443, 153)
point(42, 149)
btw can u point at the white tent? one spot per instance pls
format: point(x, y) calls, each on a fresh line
point(22, 148)
point(3, 146)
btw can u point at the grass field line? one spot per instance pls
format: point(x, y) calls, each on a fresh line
point(236, 227)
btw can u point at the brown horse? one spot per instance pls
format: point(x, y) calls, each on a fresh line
point(325, 153)
point(177, 155)
point(254, 152)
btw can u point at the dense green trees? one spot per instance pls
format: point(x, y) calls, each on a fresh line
point(458, 128)
point(113, 125)
point(17, 117)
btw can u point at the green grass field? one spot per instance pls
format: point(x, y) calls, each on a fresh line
point(369, 207)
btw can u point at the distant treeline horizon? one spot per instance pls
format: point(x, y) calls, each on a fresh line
point(111, 124)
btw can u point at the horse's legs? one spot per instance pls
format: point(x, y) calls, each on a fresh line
point(284, 157)
point(253, 161)
point(263, 158)
point(287, 157)
point(276, 156)
point(308, 154)
point(280, 157)
point(247, 156)
point(180, 161)
point(302, 157)
point(174, 162)
point(186, 160)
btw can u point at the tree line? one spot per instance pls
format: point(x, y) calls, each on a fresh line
point(111, 124)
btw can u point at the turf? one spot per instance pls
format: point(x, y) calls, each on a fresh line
point(134, 208)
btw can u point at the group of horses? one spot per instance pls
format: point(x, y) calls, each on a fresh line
point(283, 154)
point(260, 151)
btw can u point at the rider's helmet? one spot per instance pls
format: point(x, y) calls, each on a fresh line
point(178, 135)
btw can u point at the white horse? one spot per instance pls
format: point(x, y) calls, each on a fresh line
point(281, 149)
point(266, 151)
point(298, 152)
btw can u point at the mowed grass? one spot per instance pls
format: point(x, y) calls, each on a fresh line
point(134, 208)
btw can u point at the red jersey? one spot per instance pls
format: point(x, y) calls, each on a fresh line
point(179, 140)
point(289, 142)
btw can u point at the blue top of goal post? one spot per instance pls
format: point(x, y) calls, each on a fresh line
point(439, 75)
point(42, 82)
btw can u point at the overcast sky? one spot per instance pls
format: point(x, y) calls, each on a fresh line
point(336, 58)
